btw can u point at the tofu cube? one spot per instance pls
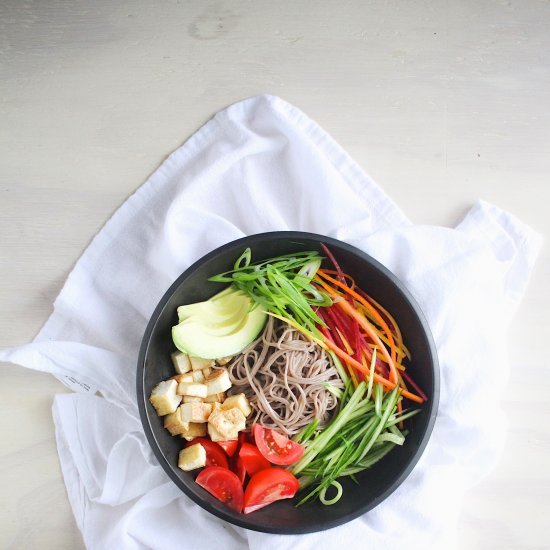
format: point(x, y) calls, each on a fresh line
point(198, 363)
point(214, 398)
point(217, 381)
point(206, 372)
point(198, 376)
point(188, 377)
point(194, 429)
point(192, 388)
point(238, 400)
point(216, 405)
point(195, 412)
point(226, 423)
point(181, 362)
point(192, 457)
point(215, 435)
point(224, 360)
point(174, 424)
point(164, 397)
point(192, 399)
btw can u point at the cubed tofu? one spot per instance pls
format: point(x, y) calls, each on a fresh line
point(188, 377)
point(174, 424)
point(192, 388)
point(194, 429)
point(198, 363)
point(195, 412)
point(215, 435)
point(198, 376)
point(238, 400)
point(164, 397)
point(227, 422)
point(192, 457)
point(206, 372)
point(224, 360)
point(214, 398)
point(192, 399)
point(218, 381)
point(181, 362)
point(216, 405)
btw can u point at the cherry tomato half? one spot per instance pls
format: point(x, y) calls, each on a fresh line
point(223, 484)
point(229, 446)
point(277, 448)
point(267, 486)
point(215, 455)
point(251, 458)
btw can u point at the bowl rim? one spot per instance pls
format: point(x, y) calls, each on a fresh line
point(433, 403)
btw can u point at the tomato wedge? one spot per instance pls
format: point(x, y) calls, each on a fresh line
point(222, 484)
point(239, 469)
point(215, 455)
point(277, 448)
point(229, 446)
point(251, 458)
point(267, 486)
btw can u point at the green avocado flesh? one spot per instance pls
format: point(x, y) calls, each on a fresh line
point(221, 326)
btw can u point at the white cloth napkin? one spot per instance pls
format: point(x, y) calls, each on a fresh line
point(257, 166)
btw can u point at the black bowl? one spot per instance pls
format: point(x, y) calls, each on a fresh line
point(374, 484)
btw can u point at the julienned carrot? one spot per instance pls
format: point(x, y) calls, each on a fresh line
point(340, 324)
point(352, 312)
point(390, 318)
point(350, 281)
point(342, 319)
point(359, 366)
point(400, 351)
point(365, 304)
point(328, 336)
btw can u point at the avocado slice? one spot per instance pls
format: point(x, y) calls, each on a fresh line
point(221, 326)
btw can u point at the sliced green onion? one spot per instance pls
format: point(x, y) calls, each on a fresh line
point(281, 285)
point(244, 259)
point(310, 269)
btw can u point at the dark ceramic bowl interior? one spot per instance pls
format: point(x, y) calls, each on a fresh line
point(375, 484)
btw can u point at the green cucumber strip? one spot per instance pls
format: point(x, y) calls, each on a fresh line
point(335, 498)
point(371, 373)
point(326, 435)
point(337, 392)
point(378, 393)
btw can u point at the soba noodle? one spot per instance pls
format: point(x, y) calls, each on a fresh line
point(282, 374)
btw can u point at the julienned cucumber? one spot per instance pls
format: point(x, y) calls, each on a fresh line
point(362, 433)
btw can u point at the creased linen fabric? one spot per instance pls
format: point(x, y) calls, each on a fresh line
point(262, 165)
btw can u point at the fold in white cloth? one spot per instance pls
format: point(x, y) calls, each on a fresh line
point(262, 165)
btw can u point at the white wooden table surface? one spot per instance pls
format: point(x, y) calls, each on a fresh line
point(441, 102)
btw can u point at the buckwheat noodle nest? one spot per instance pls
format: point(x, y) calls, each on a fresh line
point(283, 374)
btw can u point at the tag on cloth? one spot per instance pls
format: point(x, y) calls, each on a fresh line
point(262, 165)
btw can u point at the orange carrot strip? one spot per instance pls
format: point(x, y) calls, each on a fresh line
point(394, 324)
point(367, 305)
point(352, 312)
point(359, 366)
point(400, 411)
point(346, 276)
